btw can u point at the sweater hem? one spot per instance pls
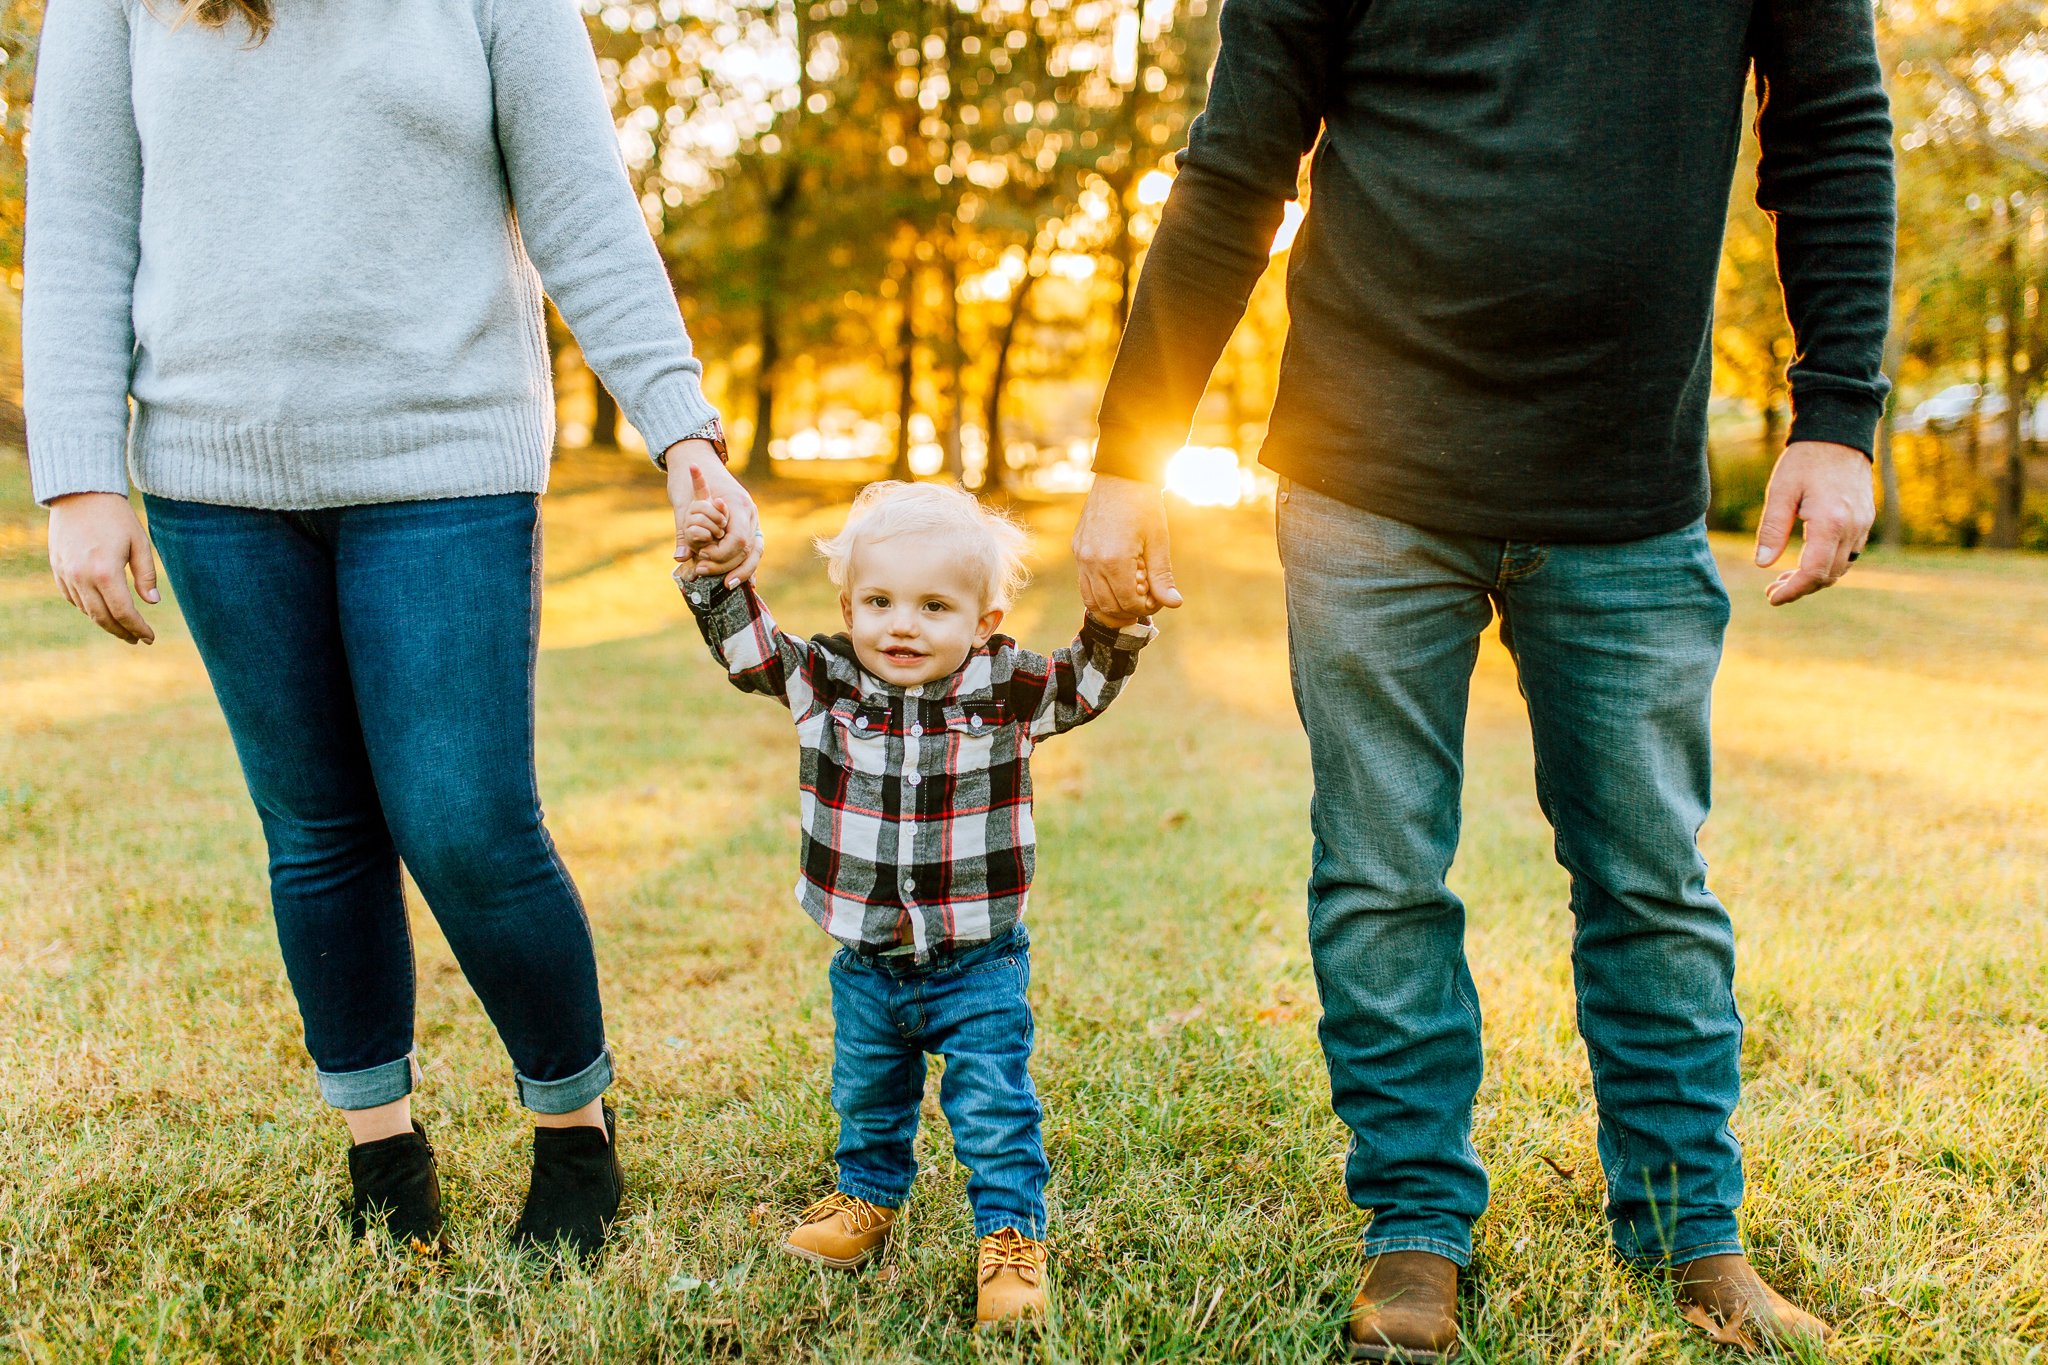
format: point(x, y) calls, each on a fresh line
point(1531, 522)
point(407, 457)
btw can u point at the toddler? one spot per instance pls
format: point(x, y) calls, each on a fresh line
point(916, 728)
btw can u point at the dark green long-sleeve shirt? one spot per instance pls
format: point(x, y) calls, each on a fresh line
point(1502, 297)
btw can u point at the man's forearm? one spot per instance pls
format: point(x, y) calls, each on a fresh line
point(1825, 176)
point(1213, 243)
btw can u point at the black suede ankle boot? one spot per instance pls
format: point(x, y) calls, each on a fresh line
point(576, 1187)
point(394, 1185)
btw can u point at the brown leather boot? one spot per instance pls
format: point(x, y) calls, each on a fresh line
point(1009, 1280)
point(1406, 1309)
point(1725, 1298)
point(841, 1231)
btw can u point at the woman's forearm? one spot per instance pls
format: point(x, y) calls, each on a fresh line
point(581, 222)
point(80, 254)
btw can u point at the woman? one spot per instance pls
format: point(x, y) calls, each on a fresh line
point(301, 235)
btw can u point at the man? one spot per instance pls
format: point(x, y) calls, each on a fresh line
point(1493, 399)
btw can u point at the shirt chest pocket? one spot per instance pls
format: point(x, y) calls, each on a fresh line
point(971, 730)
point(862, 733)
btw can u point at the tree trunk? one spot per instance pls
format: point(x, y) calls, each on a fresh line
point(1973, 435)
point(2009, 510)
point(760, 464)
point(1773, 428)
point(782, 207)
point(996, 477)
point(956, 401)
point(604, 422)
point(906, 374)
point(1124, 252)
point(1892, 529)
point(557, 338)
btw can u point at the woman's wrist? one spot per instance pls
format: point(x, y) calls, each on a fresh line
point(710, 435)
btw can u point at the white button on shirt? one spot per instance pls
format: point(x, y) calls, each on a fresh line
point(911, 778)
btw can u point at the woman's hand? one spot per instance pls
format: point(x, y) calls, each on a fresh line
point(695, 474)
point(95, 543)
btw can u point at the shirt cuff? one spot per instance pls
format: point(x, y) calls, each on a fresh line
point(1836, 416)
point(705, 593)
point(1132, 637)
point(1131, 453)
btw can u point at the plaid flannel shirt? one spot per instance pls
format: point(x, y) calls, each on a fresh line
point(916, 802)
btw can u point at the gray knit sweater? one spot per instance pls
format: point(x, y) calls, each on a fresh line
point(301, 258)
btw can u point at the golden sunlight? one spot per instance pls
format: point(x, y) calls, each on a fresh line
point(1206, 476)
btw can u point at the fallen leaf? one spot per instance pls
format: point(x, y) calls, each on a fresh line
point(1719, 1332)
point(1167, 1023)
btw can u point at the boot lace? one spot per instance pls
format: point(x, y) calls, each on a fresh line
point(1009, 1249)
point(861, 1216)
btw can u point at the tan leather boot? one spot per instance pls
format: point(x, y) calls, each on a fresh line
point(841, 1231)
point(1011, 1280)
point(1406, 1309)
point(1725, 1298)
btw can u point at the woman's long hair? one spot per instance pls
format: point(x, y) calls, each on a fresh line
point(220, 13)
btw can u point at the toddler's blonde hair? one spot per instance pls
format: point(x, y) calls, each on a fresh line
point(894, 508)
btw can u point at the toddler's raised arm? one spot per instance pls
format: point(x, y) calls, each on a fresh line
point(1079, 681)
point(758, 655)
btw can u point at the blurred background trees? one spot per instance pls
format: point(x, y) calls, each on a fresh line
point(905, 233)
point(1960, 451)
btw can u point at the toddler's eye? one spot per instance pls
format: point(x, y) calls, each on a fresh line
point(878, 602)
point(935, 607)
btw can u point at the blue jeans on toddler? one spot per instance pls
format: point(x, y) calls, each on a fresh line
point(969, 1008)
point(1615, 646)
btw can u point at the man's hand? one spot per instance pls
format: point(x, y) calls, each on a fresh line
point(1827, 488)
point(95, 543)
point(695, 474)
point(1121, 548)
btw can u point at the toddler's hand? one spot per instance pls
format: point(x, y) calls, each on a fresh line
point(704, 525)
point(1118, 620)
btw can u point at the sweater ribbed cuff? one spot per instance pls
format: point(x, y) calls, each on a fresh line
point(669, 411)
point(61, 465)
point(1836, 416)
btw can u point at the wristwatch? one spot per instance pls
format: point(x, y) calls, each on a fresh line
point(712, 431)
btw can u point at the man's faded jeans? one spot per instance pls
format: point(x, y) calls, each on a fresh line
point(1616, 646)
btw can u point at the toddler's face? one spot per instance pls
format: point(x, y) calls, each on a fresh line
point(914, 607)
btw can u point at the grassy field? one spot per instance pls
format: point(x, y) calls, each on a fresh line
point(169, 1183)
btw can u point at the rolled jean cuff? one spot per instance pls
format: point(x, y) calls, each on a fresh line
point(1457, 1254)
point(385, 1083)
point(986, 1224)
point(570, 1093)
point(1691, 1251)
point(873, 1194)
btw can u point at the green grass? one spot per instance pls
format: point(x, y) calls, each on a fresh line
point(169, 1182)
